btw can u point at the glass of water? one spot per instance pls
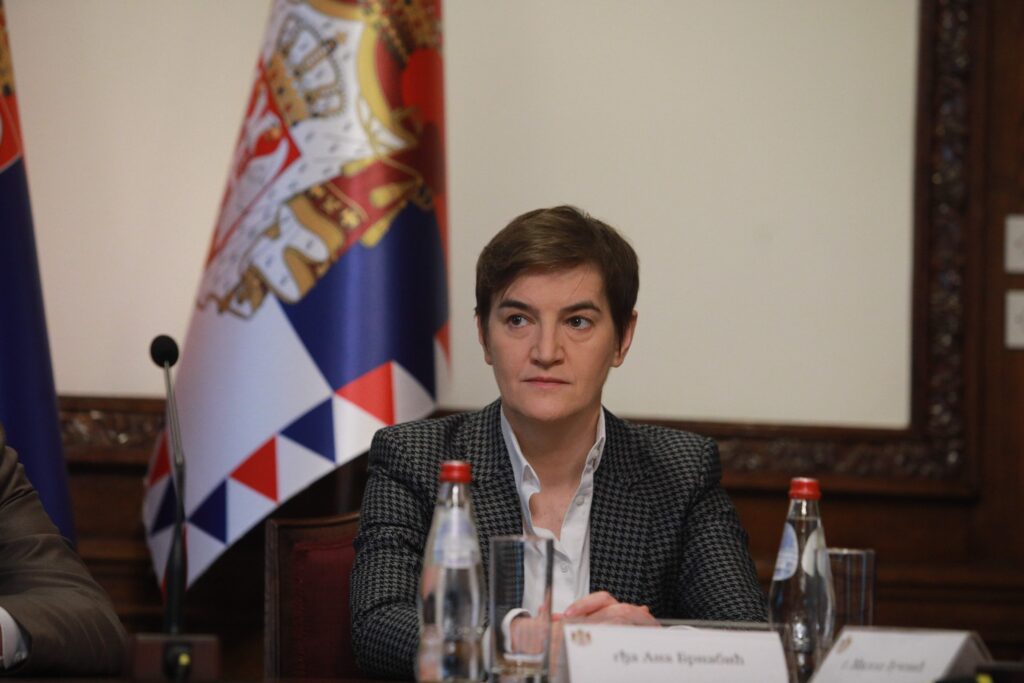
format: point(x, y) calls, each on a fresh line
point(520, 605)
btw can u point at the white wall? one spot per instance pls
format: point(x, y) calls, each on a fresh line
point(758, 155)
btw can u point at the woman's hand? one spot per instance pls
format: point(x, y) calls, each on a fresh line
point(602, 608)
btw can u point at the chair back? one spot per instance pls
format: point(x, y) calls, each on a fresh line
point(307, 621)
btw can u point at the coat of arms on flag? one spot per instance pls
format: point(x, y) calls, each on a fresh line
point(322, 312)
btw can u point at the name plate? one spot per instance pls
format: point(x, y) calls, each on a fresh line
point(895, 655)
point(598, 653)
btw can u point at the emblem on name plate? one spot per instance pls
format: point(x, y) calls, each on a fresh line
point(580, 637)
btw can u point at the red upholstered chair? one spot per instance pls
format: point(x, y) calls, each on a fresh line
point(307, 624)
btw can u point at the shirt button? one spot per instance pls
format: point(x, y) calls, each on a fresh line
point(579, 500)
point(565, 567)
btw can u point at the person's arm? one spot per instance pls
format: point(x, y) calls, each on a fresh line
point(67, 622)
point(389, 549)
point(717, 579)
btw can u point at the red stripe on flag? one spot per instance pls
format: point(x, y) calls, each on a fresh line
point(259, 471)
point(374, 393)
point(442, 337)
point(161, 463)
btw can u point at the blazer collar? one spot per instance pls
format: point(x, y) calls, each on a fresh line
point(624, 460)
point(619, 517)
point(495, 499)
point(480, 442)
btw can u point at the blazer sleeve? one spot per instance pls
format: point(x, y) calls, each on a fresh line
point(389, 548)
point(717, 578)
point(66, 618)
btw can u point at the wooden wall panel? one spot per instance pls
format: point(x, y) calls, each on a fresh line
point(940, 501)
point(913, 532)
point(1000, 521)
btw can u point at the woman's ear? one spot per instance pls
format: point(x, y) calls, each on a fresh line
point(625, 341)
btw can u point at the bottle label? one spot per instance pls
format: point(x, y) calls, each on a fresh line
point(789, 555)
point(811, 559)
point(456, 545)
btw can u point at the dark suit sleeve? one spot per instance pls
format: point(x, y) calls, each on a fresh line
point(66, 618)
point(389, 548)
point(717, 579)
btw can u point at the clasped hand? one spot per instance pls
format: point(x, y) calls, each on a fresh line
point(602, 608)
point(528, 634)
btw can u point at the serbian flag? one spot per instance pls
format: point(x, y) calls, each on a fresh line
point(28, 402)
point(322, 314)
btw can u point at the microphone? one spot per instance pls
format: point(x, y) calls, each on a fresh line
point(173, 655)
point(164, 352)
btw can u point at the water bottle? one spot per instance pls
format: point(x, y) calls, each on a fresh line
point(451, 599)
point(801, 599)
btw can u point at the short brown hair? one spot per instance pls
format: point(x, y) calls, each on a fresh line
point(555, 239)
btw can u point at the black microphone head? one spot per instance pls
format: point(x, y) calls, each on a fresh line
point(164, 351)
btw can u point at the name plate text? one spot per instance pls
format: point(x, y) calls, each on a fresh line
point(599, 653)
point(890, 655)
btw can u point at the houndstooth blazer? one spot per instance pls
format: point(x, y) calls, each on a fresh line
point(663, 532)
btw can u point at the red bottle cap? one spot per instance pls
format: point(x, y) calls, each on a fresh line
point(803, 488)
point(456, 472)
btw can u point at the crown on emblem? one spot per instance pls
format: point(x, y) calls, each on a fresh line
point(302, 56)
point(405, 25)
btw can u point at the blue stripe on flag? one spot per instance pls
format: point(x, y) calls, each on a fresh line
point(315, 430)
point(212, 514)
point(28, 401)
point(379, 303)
point(167, 511)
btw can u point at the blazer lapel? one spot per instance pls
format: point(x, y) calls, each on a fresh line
point(619, 519)
point(494, 489)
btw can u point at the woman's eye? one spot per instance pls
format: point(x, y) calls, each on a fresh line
point(578, 322)
point(516, 320)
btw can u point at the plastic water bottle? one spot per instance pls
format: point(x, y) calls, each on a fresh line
point(801, 599)
point(451, 600)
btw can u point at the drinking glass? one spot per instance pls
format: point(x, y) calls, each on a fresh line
point(520, 605)
point(853, 577)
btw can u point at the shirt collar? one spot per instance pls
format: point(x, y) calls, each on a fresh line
point(522, 469)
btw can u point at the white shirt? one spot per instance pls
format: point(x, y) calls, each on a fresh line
point(571, 576)
point(14, 648)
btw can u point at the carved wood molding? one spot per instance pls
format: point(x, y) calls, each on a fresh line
point(106, 430)
point(946, 230)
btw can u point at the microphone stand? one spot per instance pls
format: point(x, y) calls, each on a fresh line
point(173, 655)
point(177, 654)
